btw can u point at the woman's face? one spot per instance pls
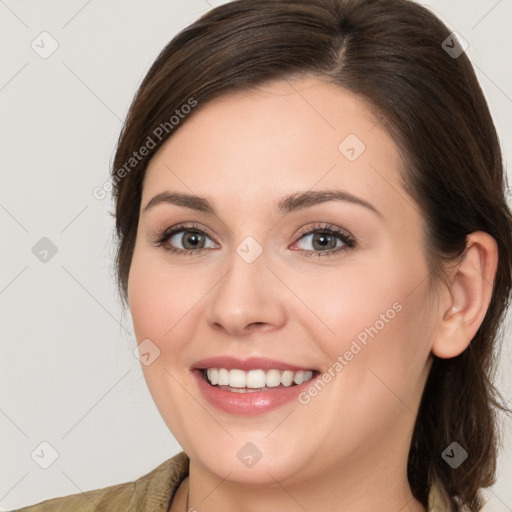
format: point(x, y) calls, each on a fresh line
point(262, 278)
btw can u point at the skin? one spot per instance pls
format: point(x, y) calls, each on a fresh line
point(244, 152)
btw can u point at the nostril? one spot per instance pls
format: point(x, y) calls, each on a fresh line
point(256, 324)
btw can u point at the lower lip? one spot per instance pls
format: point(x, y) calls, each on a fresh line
point(250, 403)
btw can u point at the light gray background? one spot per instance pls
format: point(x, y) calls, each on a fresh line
point(68, 373)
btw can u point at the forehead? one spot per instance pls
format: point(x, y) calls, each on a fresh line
point(256, 145)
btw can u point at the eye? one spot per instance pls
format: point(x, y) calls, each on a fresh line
point(326, 240)
point(192, 238)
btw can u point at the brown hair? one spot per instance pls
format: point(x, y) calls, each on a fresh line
point(391, 53)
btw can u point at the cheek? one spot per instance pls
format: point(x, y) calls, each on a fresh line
point(377, 356)
point(158, 300)
point(158, 297)
point(379, 318)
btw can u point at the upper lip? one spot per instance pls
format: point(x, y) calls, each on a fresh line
point(252, 363)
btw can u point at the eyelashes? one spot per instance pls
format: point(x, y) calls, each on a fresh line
point(319, 233)
point(323, 232)
point(162, 238)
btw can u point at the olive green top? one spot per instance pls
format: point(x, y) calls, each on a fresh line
point(152, 492)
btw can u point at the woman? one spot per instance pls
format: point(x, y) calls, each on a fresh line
point(334, 165)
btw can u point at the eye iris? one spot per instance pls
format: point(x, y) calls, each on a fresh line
point(193, 238)
point(322, 238)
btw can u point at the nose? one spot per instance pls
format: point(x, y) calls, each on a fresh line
point(247, 298)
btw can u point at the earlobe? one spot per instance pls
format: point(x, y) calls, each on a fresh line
point(468, 296)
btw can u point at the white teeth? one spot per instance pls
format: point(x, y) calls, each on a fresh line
point(223, 378)
point(213, 375)
point(273, 378)
point(237, 378)
point(299, 377)
point(287, 378)
point(256, 379)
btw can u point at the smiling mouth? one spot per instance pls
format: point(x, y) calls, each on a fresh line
point(240, 381)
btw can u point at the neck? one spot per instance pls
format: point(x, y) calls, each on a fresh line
point(382, 488)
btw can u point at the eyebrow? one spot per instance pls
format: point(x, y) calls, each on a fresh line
point(292, 202)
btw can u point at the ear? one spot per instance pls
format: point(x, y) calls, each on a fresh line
point(464, 305)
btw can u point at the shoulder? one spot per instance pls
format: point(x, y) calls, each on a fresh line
point(151, 492)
